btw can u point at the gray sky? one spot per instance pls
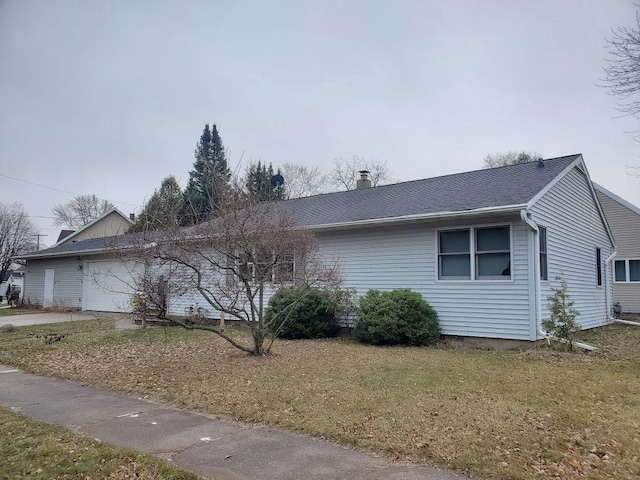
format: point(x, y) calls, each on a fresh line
point(109, 97)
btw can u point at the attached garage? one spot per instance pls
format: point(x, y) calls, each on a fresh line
point(109, 285)
point(81, 275)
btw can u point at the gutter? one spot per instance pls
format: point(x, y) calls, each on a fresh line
point(538, 296)
point(416, 217)
point(536, 272)
point(608, 300)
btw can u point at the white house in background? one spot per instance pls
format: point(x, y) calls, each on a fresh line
point(624, 221)
point(13, 278)
point(484, 248)
point(109, 224)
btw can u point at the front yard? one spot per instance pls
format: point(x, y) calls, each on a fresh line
point(508, 415)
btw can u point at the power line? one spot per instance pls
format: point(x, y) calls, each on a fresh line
point(59, 190)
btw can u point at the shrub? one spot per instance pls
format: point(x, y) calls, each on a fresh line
point(562, 322)
point(312, 315)
point(399, 317)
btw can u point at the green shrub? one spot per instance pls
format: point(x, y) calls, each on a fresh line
point(302, 314)
point(561, 323)
point(399, 317)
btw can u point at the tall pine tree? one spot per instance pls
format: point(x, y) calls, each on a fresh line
point(259, 185)
point(209, 179)
point(162, 210)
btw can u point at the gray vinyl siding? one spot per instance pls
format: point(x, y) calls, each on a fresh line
point(625, 226)
point(67, 286)
point(575, 229)
point(406, 257)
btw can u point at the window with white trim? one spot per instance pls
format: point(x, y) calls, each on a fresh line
point(598, 267)
point(627, 270)
point(264, 266)
point(489, 247)
point(454, 256)
point(493, 253)
point(544, 269)
point(285, 269)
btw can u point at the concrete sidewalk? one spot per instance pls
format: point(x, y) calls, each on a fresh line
point(39, 317)
point(217, 449)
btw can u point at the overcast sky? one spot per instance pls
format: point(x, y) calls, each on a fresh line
point(109, 97)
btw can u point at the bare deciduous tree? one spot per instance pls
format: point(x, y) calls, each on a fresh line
point(303, 181)
point(345, 172)
point(623, 67)
point(17, 234)
point(512, 157)
point(623, 73)
point(234, 261)
point(80, 211)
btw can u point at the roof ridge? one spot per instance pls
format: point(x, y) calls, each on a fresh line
point(431, 178)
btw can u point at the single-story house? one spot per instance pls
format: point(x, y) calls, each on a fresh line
point(484, 248)
point(624, 221)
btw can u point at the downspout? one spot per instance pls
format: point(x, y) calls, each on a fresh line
point(608, 300)
point(536, 271)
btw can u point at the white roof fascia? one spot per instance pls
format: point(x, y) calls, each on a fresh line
point(417, 217)
point(618, 199)
point(114, 209)
point(578, 161)
point(595, 199)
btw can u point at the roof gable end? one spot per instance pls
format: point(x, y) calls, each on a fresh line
point(69, 237)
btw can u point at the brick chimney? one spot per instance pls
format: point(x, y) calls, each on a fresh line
point(364, 181)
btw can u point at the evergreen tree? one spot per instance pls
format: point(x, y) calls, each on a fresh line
point(208, 180)
point(259, 185)
point(162, 210)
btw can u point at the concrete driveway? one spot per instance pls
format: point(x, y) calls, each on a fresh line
point(41, 318)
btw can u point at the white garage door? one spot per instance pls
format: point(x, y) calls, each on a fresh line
point(108, 285)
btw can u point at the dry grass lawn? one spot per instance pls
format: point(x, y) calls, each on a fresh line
point(510, 415)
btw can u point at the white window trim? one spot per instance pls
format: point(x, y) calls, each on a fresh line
point(627, 271)
point(602, 270)
point(472, 254)
point(546, 229)
point(273, 280)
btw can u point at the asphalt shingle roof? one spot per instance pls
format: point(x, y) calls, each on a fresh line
point(491, 187)
point(512, 185)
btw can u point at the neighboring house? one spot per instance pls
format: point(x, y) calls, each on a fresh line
point(484, 248)
point(624, 221)
point(110, 223)
point(64, 234)
point(14, 279)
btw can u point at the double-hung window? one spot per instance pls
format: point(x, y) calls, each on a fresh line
point(261, 265)
point(481, 253)
point(627, 270)
point(493, 253)
point(285, 269)
point(455, 254)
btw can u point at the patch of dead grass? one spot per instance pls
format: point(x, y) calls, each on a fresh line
point(512, 415)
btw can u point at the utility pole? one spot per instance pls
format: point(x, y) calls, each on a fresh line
point(38, 235)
